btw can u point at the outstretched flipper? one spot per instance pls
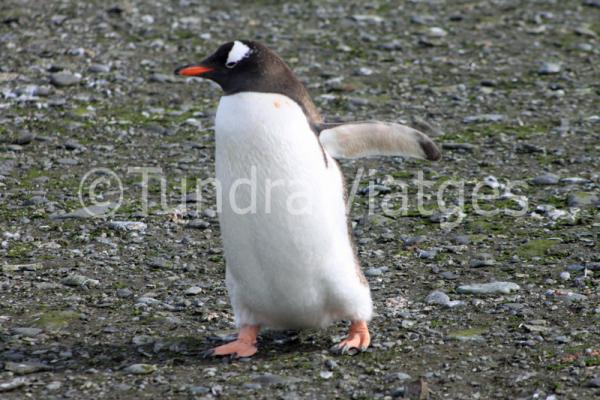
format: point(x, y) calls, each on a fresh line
point(364, 139)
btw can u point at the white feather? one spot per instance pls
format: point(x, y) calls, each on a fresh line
point(284, 269)
point(238, 52)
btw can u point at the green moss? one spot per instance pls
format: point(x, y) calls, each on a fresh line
point(57, 320)
point(536, 248)
point(19, 250)
point(470, 332)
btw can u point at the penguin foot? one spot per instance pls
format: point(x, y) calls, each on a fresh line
point(244, 346)
point(358, 340)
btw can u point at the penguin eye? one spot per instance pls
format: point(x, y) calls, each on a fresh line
point(230, 64)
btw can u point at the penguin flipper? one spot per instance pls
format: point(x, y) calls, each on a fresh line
point(364, 139)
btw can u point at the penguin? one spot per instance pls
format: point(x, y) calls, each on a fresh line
point(290, 258)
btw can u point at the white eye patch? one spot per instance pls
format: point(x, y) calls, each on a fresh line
point(238, 52)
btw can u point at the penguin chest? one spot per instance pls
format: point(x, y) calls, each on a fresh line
point(282, 216)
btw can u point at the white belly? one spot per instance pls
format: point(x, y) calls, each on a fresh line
point(289, 257)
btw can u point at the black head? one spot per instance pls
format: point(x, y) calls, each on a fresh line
point(247, 66)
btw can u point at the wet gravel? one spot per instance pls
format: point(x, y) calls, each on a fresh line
point(491, 305)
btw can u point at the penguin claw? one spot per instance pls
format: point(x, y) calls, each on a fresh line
point(358, 340)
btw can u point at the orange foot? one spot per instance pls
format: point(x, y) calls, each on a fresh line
point(244, 346)
point(358, 339)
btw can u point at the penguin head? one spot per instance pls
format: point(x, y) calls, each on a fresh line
point(234, 66)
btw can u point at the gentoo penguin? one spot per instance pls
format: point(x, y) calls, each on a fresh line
point(290, 258)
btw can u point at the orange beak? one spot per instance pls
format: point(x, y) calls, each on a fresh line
point(192, 70)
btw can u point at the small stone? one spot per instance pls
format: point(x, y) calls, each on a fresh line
point(12, 384)
point(24, 138)
point(147, 300)
point(162, 78)
point(157, 262)
point(142, 340)
point(546, 179)
point(594, 382)
point(199, 390)
point(397, 376)
point(549, 68)
point(76, 280)
point(72, 144)
point(582, 199)
point(565, 276)
point(428, 254)
point(368, 18)
point(484, 118)
point(99, 68)
point(140, 369)
point(54, 385)
point(27, 332)
point(326, 374)
point(436, 32)
point(364, 71)
point(489, 288)
point(376, 271)
point(252, 386)
point(198, 224)
point(437, 297)
point(63, 79)
point(193, 291)
point(25, 368)
point(575, 267)
point(124, 293)
point(128, 226)
point(483, 260)
point(459, 146)
point(565, 295)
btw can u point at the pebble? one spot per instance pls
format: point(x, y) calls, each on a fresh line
point(25, 368)
point(326, 374)
point(147, 300)
point(24, 138)
point(397, 376)
point(436, 32)
point(565, 295)
point(373, 271)
point(193, 291)
point(198, 224)
point(142, 340)
point(54, 385)
point(489, 288)
point(124, 293)
point(582, 199)
point(198, 390)
point(594, 382)
point(565, 276)
point(549, 68)
point(76, 280)
point(483, 260)
point(27, 331)
point(484, 118)
point(128, 225)
point(459, 146)
point(441, 298)
point(99, 68)
point(12, 384)
point(140, 369)
point(63, 79)
point(157, 262)
point(162, 78)
point(546, 179)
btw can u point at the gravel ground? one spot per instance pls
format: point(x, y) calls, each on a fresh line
point(123, 305)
